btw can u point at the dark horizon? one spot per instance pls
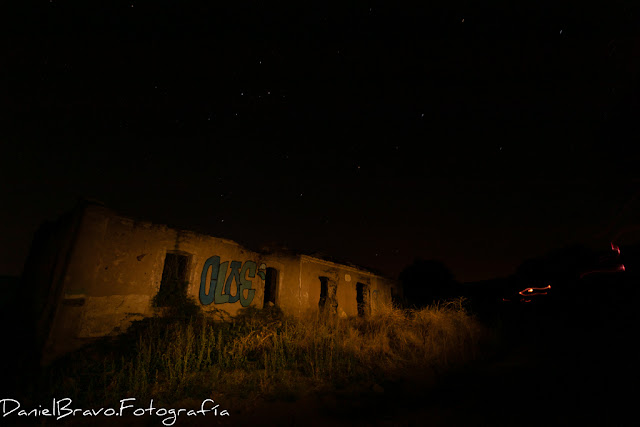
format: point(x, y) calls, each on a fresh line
point(480, 137)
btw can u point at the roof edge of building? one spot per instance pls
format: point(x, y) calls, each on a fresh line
point(87, 203)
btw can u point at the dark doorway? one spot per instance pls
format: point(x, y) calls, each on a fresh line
point(394, 297)
point(362, 298)
point(328, 291)
point(270, 287)
point(324, 291)
point(173, 287)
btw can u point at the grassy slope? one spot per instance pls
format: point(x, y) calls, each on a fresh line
point(264, 354)
point(562, 363)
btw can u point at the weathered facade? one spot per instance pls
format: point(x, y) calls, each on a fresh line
point(94, 272)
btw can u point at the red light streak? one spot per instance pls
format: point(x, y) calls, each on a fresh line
point(608, 270)
point(529, 291)
point(615, 248)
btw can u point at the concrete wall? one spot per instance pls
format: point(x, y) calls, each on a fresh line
point(376, 291)
point(116, 265)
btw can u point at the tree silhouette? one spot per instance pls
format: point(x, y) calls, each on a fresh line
point(427, 281)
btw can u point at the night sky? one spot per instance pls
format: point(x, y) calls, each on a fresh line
point(476, 133)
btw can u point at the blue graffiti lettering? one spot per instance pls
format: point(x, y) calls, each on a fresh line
point(219, 289)
point(220, 297)
point(212, 264)
point(245, 284)
point(233, 277)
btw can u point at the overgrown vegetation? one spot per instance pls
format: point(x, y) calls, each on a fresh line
point(265, 353)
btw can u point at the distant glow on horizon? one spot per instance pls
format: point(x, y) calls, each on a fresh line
point(609, 270)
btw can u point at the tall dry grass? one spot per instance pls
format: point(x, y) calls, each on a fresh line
point(263, 352)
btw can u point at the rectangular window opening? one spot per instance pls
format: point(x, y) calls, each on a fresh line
point(394, 297)
point(173, 287)
point(363, 300)
point(328, 291)
point(324, 292)
point(270, 287)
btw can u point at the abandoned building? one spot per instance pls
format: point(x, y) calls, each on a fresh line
point(93, 272)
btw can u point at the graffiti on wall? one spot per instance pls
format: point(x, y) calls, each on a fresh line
point(224, 279)
point(262, 270)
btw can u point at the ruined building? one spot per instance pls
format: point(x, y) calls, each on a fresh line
point(93, 272)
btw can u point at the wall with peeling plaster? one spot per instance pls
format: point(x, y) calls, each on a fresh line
point(345, 278)
point(109, 268)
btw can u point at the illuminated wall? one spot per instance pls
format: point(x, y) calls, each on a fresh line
point(117, 269)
